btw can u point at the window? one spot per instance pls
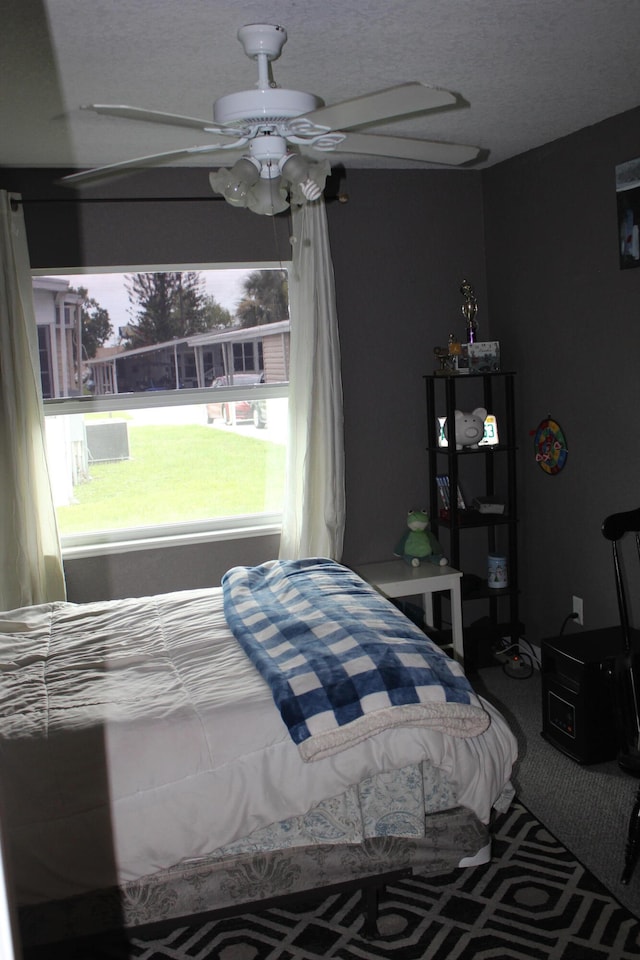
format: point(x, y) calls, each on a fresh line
point(244, 356)
point(165, 405)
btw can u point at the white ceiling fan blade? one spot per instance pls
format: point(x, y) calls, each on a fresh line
point(428, 151)
point(123, 166)
point(384, 105)
point(151, 116)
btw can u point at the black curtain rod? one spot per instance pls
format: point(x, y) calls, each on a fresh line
point(337, 174)
point(27, 200)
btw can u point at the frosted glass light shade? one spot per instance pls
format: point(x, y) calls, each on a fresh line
point(268, 197)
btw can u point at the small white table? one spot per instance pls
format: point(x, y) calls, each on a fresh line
point(396, 578)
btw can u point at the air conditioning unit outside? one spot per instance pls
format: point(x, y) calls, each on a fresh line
point(107, 440)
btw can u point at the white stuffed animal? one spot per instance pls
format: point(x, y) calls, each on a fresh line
point(470, 427)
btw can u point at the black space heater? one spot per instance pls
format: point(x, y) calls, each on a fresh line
point(577, 704)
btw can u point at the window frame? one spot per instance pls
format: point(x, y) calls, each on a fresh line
point(156, 536)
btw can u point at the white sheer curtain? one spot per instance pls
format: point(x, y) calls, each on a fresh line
point(314, 512)
point(29, 546)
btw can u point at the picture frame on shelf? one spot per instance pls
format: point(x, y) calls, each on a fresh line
point(484, 356)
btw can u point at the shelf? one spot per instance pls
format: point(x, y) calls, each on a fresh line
point(461, 377)
point(493, 475)
point(475, 588)
point(468, 451)
point(473, 518)
point(483, 591)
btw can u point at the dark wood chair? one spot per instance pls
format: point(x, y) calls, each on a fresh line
point(625, 672)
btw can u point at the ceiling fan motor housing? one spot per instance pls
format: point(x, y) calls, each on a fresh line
point(263, 106)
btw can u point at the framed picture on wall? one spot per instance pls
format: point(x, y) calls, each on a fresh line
point(628, 202)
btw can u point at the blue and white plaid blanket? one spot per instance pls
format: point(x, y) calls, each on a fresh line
point(342, 662)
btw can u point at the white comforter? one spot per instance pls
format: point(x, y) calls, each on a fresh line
point(136, 733)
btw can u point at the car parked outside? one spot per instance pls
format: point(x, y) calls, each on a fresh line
point(238, 411)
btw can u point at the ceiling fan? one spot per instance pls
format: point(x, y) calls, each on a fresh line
point(279, 132)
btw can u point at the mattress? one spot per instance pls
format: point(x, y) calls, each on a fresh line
point(136, 734)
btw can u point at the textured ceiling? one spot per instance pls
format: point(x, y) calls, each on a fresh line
point(531, 71)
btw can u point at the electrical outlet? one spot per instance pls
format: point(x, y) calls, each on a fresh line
point(577, 609)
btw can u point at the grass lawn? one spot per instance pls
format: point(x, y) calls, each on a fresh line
point(178, 473)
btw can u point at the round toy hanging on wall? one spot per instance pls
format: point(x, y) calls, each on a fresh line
point(550, 446)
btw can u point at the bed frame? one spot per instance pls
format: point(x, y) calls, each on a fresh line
point(216, 888)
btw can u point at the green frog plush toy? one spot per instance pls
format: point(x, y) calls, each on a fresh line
point(419, 543)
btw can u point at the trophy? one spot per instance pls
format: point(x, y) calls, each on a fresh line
point(469, 310)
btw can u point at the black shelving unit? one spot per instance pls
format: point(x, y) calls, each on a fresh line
point(497, 475)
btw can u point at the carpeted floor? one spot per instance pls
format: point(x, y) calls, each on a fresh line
point(533, 900)
point(586, 806)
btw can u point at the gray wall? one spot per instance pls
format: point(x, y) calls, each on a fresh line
point(549, 287)
point(142, 573)
point(571, 319)
point(400, 250)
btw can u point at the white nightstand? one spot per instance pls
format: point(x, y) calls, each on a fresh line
point(396, 578)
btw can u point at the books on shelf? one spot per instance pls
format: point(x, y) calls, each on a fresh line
point(444, 493)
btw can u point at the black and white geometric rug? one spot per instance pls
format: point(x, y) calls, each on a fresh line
point(534, 900)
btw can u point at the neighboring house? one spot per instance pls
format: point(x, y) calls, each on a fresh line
point(59, 323)
point(265, 347)
point(194, 361)
point(176, 364)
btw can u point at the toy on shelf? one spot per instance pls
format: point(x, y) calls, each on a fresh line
point(469, 427)
point(419, 543)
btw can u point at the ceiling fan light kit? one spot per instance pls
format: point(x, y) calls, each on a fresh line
point(262, 186)
point(277, 127)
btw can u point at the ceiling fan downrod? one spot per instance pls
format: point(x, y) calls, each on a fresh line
point(262, 42)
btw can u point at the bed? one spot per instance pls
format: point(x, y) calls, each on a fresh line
point(169, 755)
